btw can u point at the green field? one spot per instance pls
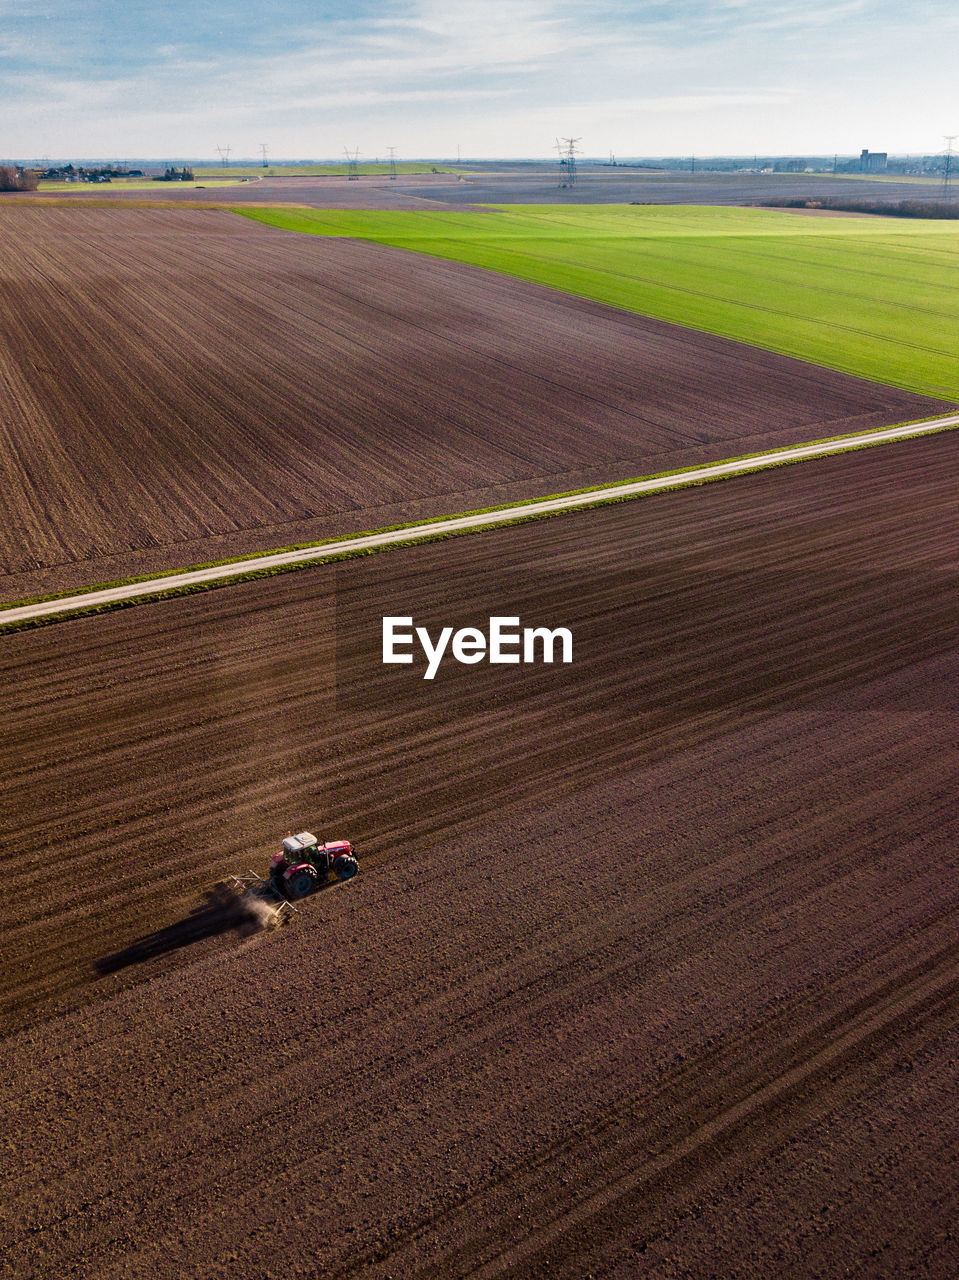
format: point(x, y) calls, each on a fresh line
point(875, 297)
point(366, 169)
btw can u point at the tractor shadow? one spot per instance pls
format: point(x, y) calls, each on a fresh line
point(222, 911)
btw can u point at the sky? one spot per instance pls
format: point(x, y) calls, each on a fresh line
point(495, 78)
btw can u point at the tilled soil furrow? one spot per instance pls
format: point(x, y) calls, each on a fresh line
point(625, 1183)
point(661, 692)
point(628, 930)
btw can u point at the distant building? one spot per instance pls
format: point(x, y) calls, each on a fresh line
point(873, 161)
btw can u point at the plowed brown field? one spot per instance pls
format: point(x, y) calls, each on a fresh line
point(652, 969)
point(178, 386)
point(415, 191)
point(503, 184)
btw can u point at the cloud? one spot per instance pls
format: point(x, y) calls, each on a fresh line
point(11, 9)
point(702, 101)
point(507, 70)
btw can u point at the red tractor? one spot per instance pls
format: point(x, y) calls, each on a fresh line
point(301, 866)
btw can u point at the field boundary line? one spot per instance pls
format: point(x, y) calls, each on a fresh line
point(177, 582)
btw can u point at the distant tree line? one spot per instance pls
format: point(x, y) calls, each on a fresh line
point(15, 179)
point(891, 209)
point(175, 175)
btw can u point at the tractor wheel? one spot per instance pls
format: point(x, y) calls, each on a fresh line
point(346, 867)
point(302, 881)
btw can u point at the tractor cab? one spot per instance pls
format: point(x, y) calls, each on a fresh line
point(300, 846)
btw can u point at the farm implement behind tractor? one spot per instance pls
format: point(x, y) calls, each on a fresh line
point(302, 866)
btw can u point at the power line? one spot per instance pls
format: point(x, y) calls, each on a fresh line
point(263, 151)
point(392, 151)
point(224, 155)
point(947, 164)
point(352, 158)
point(567, 159)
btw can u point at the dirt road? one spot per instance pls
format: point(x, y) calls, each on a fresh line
point(461, 524)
